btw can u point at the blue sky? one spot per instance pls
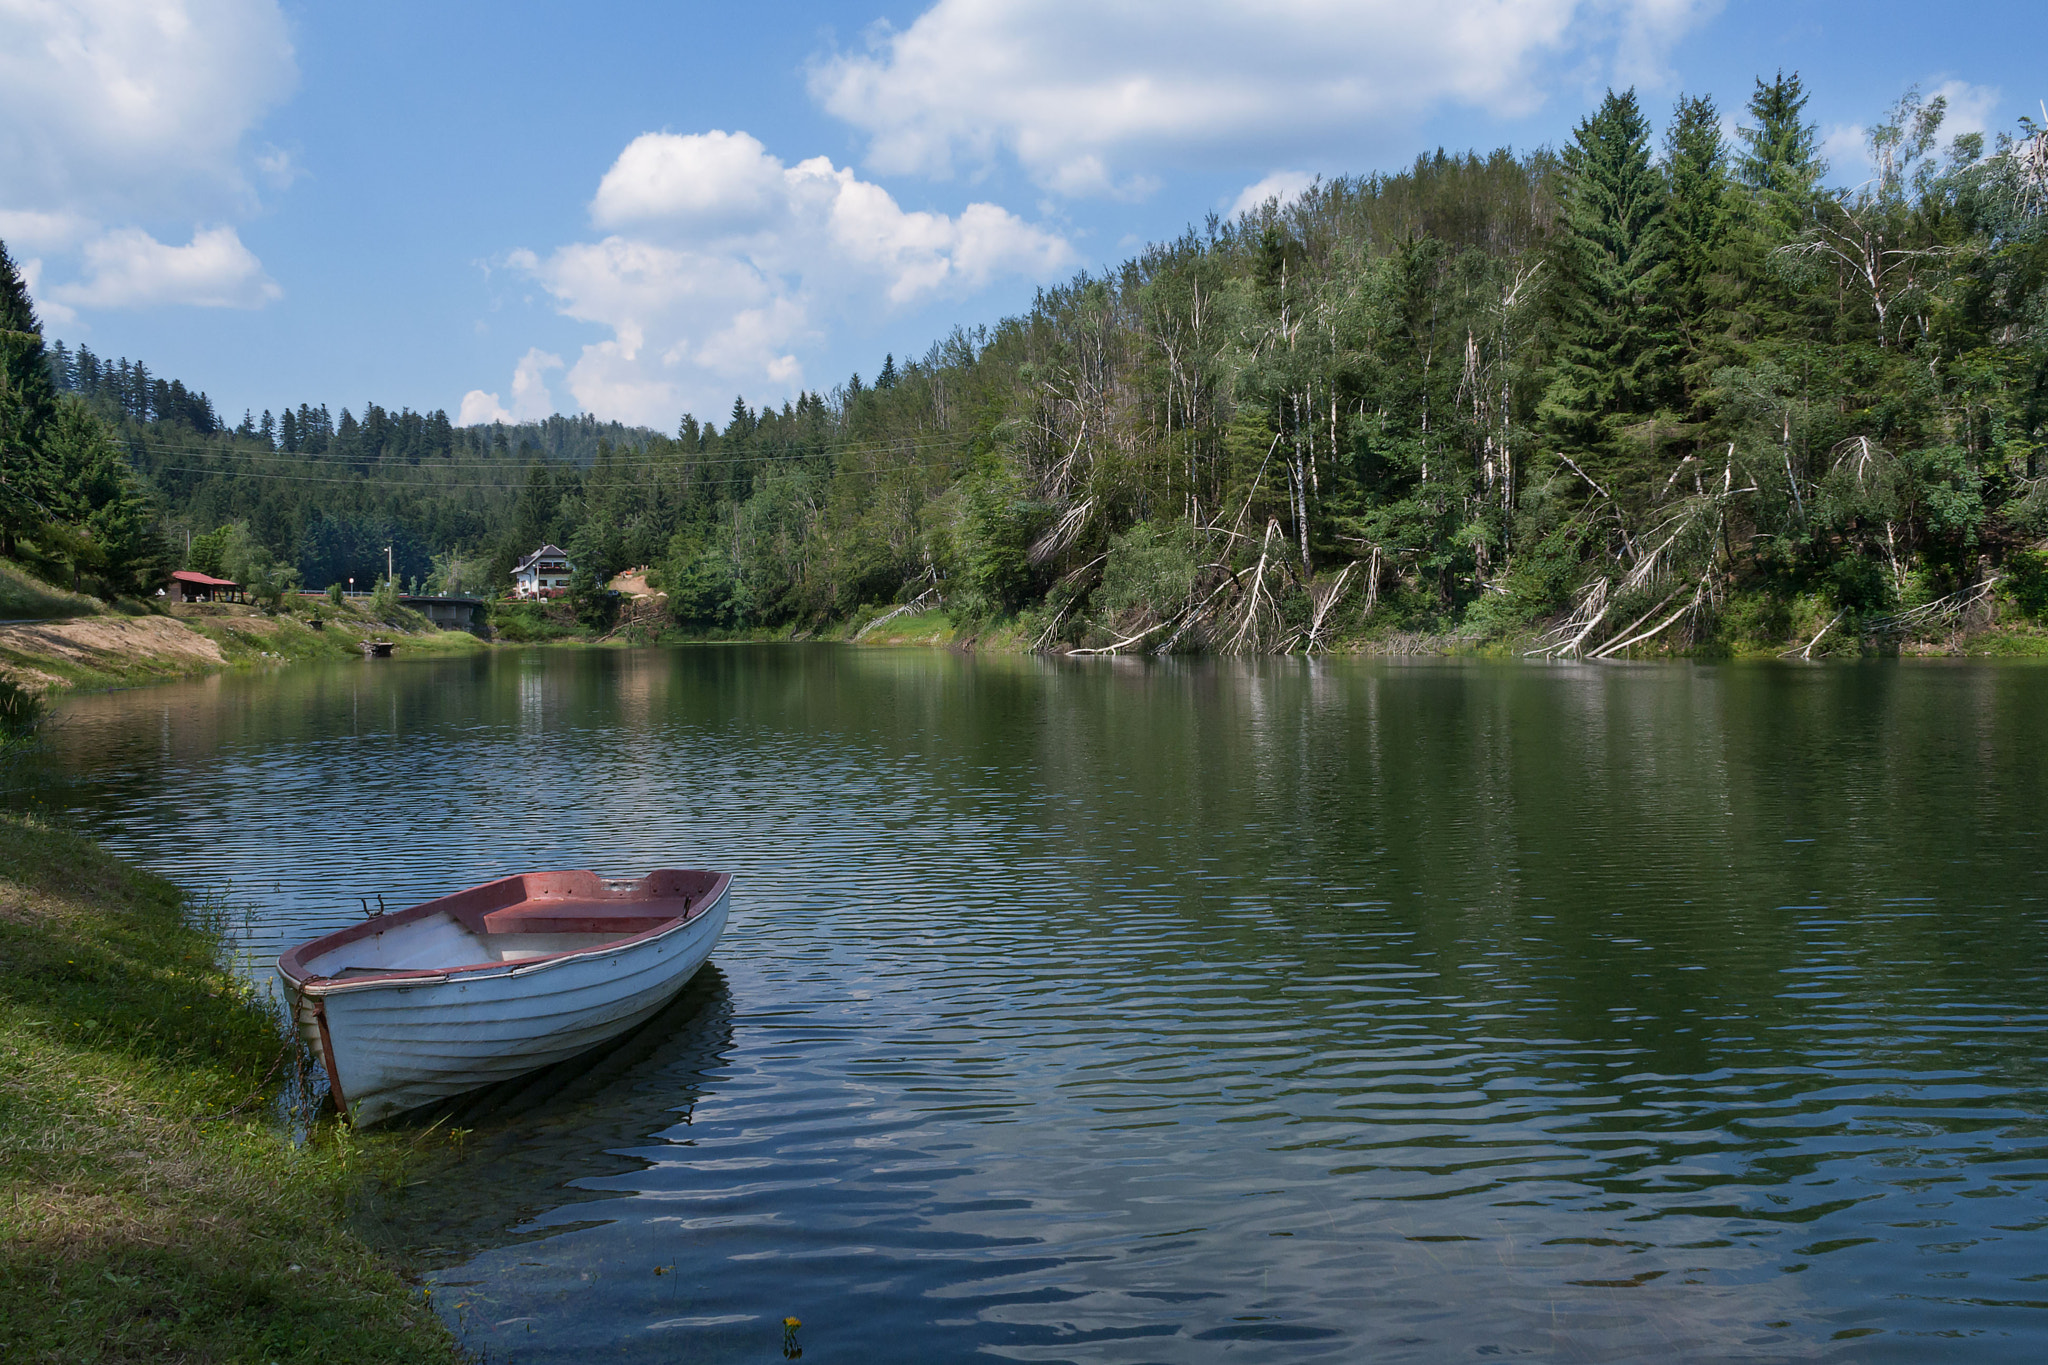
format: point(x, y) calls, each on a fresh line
point(642, 209)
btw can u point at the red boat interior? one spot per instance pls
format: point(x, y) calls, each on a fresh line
point(577, 903)
point(515, 919)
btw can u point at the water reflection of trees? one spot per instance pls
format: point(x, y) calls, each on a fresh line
point(1600, 883)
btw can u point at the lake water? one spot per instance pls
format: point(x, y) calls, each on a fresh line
point(1116, 1011)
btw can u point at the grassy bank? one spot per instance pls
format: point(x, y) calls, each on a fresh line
point(1749, 626)
point(23, 596)
point(106, 648)
point(150, 1207)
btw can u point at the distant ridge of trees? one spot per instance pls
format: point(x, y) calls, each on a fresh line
point(209, 475)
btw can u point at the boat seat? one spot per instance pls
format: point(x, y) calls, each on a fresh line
point(564, 915)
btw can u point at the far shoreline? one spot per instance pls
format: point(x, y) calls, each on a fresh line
point(127, 645)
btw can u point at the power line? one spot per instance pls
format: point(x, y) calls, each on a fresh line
point(143, 447)
point(370, 480)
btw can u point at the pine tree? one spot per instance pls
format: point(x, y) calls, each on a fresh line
point(1614, 361)
point(27, 399)
point(740, 424)
point(1697, 221)
point(1781, 164)
point(887, 378)
point(1777, 196)
point(17, 313)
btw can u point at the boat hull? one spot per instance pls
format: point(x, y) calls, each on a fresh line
point(395, 1045)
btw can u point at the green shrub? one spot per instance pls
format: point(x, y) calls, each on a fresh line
point(1150, 568)
point(1752, 618)
point(1859, 584)
point(2027, 581)
point(528, 623)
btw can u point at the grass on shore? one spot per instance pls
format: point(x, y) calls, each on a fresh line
point(130, 655)
point(289, 637)
point(24, 596)
point(150, 1207)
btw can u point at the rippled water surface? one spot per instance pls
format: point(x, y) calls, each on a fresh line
point(1120, 1012)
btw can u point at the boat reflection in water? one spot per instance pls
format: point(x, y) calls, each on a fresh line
point(540, 1144)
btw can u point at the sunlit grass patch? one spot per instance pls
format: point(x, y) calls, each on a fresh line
point(150, 1207)
point(22, 594)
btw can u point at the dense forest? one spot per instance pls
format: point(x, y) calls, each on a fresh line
point(1640, 392)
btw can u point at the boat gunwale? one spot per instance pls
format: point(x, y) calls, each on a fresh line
point(291, 963)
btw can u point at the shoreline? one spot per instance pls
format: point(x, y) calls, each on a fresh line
point(152, 1205)
point(112, 649)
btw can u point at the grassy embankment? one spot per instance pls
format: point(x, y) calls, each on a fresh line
point(24, 596)
point(1749, 630)
point(81, 644)
point(151, 1209)
point(1750, 625)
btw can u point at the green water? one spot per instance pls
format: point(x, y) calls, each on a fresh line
point(1121, 1011)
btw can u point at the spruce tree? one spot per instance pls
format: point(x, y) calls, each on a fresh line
point(17, 313)
point(1773, 300)
point(1614, 357)
point(1781, 164)
point(27, 399)
point(1696, 219)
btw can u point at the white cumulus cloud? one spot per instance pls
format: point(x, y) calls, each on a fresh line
point(122, 112)
point(1082, 94)
point(1281, 185)
point(531, 400)
point(1971, 108)
point(722, 265)
point(49, 311)
point(30, 229)
point(128, 268)
point(124, 107)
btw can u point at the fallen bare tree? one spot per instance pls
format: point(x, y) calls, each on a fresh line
point(1684, 546)
point(925, 600)
point(1944, 613)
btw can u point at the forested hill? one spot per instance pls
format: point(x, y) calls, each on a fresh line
point(353, 485)
point(1656, 388)
point(124, 392)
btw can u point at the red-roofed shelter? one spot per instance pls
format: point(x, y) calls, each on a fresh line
point(189, 586)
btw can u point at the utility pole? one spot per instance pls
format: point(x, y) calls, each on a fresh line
point(387, 563)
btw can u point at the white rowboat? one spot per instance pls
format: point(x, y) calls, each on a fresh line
point(423, 1004)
